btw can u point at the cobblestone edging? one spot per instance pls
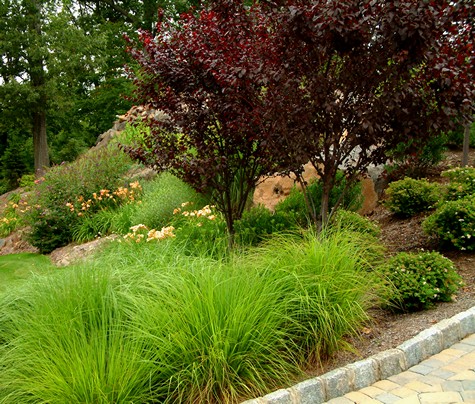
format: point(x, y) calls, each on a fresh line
point(364, 373)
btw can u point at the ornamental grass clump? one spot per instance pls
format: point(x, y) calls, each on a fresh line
point(160, 197)
point(421, 280)
point(345, 219)
point(408, 197)
point(453, 224)
point(145, 322)
point(65, 338)
point(334, 282)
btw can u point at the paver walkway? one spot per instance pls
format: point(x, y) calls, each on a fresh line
point(446, 377)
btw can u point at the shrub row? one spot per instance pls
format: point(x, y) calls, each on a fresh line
point(453, 221)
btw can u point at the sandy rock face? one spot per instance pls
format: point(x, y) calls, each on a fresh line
point(276, 188)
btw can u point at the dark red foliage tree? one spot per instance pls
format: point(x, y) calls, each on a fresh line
point(252, 90)
point(207, 72)
point(359, 76)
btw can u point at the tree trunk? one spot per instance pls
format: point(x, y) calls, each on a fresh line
point(466, 144)
point(325, 207)
point(38, 80)
point(40, 144)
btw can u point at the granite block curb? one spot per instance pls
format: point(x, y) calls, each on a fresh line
point(366, 372)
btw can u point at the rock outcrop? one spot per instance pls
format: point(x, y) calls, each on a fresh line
point(272, 190)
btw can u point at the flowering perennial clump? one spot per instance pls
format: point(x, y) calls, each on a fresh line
point(141, 232)
point(205, 212)
point(106, 199)
point(12, 215)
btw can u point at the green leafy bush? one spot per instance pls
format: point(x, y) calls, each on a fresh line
point(258, 223)
point(294, 205)
point(27, 180)
point(51, 218)
point(462, 182)
point(421, 280)
point(408, 197)
point(453, 224)
point(353, 221)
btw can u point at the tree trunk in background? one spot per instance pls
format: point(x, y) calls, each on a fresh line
point(40, 144)
point(38, 80)
point(466, 144)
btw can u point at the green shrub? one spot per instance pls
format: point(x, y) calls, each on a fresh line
point(421, 280)
point(462, 182)
point(408, 197)
point(134, 135)
point(27, 180)
point(453, 224)
point(294, 206)
point(345, 219)
point(258, 223)
point(50, 218)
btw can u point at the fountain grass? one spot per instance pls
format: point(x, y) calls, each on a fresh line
point(147, 323)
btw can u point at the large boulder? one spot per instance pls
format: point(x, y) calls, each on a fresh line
point(271, 190)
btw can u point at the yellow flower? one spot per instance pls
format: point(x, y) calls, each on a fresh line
point(138, 227)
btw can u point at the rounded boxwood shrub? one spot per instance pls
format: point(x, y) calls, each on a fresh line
point(453, 224)
point(408, 197)
point(420, 280)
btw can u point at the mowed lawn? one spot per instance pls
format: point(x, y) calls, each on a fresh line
point(15, 268)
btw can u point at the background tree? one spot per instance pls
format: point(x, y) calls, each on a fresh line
point(62, 76)
point(359, 77)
